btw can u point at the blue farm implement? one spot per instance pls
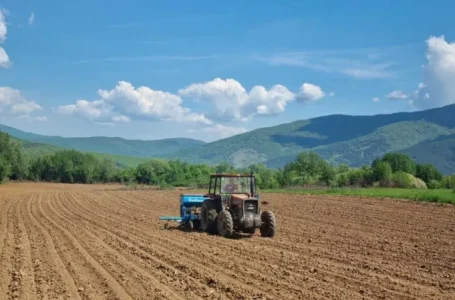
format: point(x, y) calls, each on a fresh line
point(190, 212)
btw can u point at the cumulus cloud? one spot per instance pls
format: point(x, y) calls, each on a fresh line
point(397, 95)
point(91, 110)
point(31, 18)
point(227, 100)
point(13, 102)
point(438, 88)
point(221, 131)
point(309, 93)
point(376, 99)
point(3, 28)
point(144, 101)
point(4, 58)
point(125, 100)
point(231, 101)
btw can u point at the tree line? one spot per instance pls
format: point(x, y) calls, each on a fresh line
point(71, 166)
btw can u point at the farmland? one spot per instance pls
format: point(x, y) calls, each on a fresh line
point(104, 242)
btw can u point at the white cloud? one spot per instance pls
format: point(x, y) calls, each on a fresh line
point(31, 19)
point(125, 100)
point(227, 100)
point(397, 95)
point(4, 59)
point(310, 93)
point(25, 107)
point(376, 99)
point(143, 101)
point(41, 118)
point(13, 102)
point(220, 131)
point(438, 88)
point(90, 110)
point(3, 28)
point(231, 101)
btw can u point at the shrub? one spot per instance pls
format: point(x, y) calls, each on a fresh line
point(417, 182)
point(401, 180)
point(434, 184)
point(341, 180)
point(449, 182)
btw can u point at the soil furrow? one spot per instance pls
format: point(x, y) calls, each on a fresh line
point(93, 281)
point(7, 261)
point(5, 268)
point(51, 276)
point(116, 262)
point(27, 274)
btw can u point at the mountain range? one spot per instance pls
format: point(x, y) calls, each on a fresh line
point(428, 136)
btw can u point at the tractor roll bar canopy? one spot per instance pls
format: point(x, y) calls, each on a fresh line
point(231, 175)
point(217, 181)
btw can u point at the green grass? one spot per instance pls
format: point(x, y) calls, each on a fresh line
point(439, 195)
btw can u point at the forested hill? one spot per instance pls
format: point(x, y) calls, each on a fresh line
point(110, 145)
point(353, 140)
point(427, 136)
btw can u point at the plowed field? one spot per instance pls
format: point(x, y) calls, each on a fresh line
point(89, 242)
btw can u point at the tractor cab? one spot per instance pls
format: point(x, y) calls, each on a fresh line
point(232, 184)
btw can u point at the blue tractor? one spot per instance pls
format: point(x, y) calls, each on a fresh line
point(231, 205)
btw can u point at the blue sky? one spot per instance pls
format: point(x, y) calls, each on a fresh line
point(207, 70)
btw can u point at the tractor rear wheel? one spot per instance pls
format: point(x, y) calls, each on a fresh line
point(225, 224)
point(268, 225)
point(208, 217)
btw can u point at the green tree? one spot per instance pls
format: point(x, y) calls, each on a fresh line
point(306, 169)
point(428, 172)
point(382, 172)
point(398, 162)
point(4, 169)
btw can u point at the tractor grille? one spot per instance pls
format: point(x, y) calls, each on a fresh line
point(251, 206)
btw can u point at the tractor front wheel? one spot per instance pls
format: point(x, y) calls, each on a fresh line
point(208, 217)
point(268, 225)
point(225, 224)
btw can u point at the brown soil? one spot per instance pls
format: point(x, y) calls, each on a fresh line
point(101, 242)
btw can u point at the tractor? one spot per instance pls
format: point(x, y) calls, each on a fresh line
point(232, 205)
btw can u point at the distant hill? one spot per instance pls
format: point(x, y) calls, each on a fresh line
point(33, 149)
point(353, 140)
point(439, 152)
point(110, 145)
point(428, 136)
